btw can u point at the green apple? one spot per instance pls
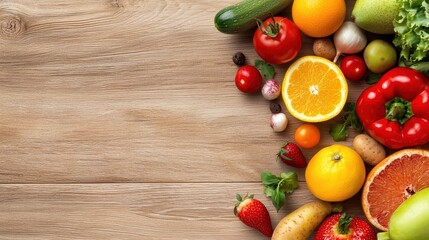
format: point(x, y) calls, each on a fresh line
point(410, 220)
point(380, 56)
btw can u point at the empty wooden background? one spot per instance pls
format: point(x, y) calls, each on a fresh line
point(119, 119)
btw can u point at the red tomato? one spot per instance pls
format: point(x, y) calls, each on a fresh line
point(248, 79)
point(307, 135)
point(353, 67)
point(277, 40)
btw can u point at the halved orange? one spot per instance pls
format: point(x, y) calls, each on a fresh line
point(314, 89)
point(391, 182)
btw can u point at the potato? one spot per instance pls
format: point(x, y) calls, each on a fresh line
point(369, 149)
point(324, 47)
point(299, 224)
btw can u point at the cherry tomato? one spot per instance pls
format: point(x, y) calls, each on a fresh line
point(277, 40)
point(248, 79)
point(307, 135)
point(353, 67)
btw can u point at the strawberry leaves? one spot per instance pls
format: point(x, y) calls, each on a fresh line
point(254, 214)
point(344, 224)
point(241, 199)
point(277, 188)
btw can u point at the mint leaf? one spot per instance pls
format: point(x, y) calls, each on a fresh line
point(278, 199)
point(269, 179)
point(351, 116)
point(349, 107)
point(266, 69)
point(288, 175)
point(289, 182)
point(268, 191)
point(350, 120)
point(276, 187)
point(338, 132)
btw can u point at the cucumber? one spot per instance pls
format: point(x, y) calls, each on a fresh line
point(242, 16)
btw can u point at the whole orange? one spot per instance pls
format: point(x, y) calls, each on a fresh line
point(318, 18)
point(335, 173)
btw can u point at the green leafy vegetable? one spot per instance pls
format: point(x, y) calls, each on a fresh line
point(276, 187)
point(412, 34)
point(339, 132)
point(266, 69)
point(373, 78)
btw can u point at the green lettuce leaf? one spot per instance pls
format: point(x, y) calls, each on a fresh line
point(412, 33)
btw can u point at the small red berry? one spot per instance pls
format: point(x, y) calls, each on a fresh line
point(254, 214)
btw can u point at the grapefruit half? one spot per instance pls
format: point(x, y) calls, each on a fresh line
point(391, 182)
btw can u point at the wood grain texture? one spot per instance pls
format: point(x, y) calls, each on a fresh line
point(119, 119)
point(131, 211)
point(114, 91)
point(104, 91)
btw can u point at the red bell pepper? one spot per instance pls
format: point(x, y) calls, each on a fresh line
point(395, 110)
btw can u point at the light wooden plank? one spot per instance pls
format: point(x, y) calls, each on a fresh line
point(129, 91)
point(137, 96)
point(133, 211)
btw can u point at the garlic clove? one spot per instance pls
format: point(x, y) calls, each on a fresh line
point(271, 89)
point(278, 122)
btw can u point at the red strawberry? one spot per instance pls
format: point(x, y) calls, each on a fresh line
point(254, 214)
point(344, 227)
point(291, 155)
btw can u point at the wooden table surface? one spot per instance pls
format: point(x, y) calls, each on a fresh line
point(119, 119)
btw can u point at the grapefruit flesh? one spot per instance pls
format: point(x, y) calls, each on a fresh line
point(391, 182)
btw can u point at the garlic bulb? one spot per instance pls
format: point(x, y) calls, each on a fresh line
point(349, 39)
point(271, 90)
point(278, 122)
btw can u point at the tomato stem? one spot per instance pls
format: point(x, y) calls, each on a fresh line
point(272, 30)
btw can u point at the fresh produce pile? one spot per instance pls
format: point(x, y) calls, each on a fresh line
point(390, 116)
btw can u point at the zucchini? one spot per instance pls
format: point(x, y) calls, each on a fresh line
point(242, 16)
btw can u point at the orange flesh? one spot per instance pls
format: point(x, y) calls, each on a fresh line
point(393, 186)
point(314, 96)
